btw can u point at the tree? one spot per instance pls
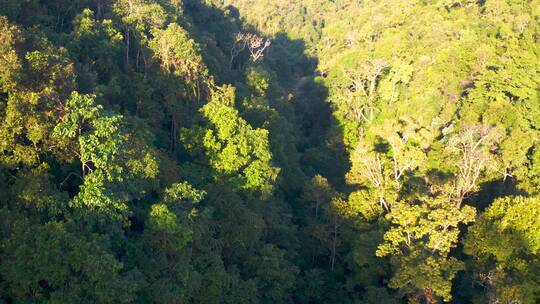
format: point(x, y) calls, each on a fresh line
point(31, 103)
point(97, 46)
point(505, 246)
point(360, 89)
point(233, 149)
point(425, 228)
point(419, 242)
point(165, 258)
point(55, 263)
point(318, 192)
point(94, 137)
point(252, 42)
point(10, 63)
point(180, 55)
point(158, 151)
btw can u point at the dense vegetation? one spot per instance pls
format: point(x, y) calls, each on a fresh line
point(269, 151)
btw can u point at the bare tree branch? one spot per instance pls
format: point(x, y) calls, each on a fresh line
point(256, 46)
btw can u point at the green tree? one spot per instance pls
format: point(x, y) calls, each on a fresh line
point(94, 138)
point(505, 246)
point(233, 148)
point(52, 263)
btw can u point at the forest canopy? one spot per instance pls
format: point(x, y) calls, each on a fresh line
point(269, 151)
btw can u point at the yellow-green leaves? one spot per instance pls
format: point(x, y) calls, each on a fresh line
point(166, 229)
point(98, 135)
point(177, 52)
point(258, 79)
point(95, 138)
point(179, 55)
point(181, 192)
point(509, 234)
point(9, 61)
point(234, 149)
point(142, 15)
point(426, 277)
point(512, 221)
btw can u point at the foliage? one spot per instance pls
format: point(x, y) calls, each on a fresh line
point(269, 151)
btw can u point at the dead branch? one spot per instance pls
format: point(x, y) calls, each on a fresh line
point(254, 44)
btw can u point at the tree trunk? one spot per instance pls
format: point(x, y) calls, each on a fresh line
point(333, 256)
point(127, 47)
